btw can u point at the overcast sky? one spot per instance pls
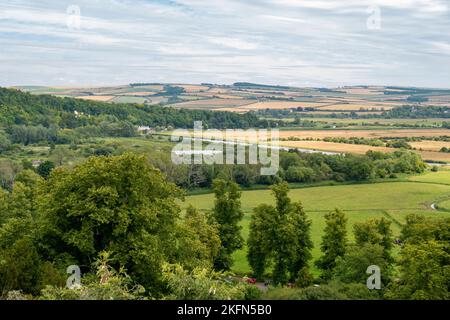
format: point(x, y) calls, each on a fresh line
point(288, 42)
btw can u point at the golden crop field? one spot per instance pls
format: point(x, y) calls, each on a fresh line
point(192, 88)
point(212, 103)
point(429, 145)
point(228, 96)
point(342, 133)
point(334, 147)
point(434, 156)
point(96, 98)
point(212, 95)
point(331, 146)
point(279, 105)
point(394, 133)
point(139, 94)
point(362, 91)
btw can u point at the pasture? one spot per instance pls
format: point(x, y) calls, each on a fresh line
point(392, 200)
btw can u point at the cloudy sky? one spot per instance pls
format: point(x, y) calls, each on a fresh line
point(291, 42)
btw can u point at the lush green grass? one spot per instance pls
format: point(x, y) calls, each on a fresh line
point(442, 176)
point(444, 205)
point(394, 200)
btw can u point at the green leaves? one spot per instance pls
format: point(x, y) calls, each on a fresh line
point(114, 204)
point(227, 214)
point(280, 236)
point(334, 241)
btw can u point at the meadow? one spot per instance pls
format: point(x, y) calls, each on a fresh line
point(392, 200)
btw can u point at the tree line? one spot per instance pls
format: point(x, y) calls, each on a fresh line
point(20, 108)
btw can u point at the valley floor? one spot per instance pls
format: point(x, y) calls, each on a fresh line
point(392, 200)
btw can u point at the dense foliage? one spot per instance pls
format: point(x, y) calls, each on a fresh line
point(280, 235)
point(334, 242)
point(40, 117)
point(227, 214)
point(117, 210)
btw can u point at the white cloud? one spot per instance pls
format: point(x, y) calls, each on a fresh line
point(420, 5)
point(441, 47)
point(234, 43)
point(321, 42)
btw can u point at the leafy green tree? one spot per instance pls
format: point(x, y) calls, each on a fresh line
point(45, 168)
point(334, 242)
point(424, 272)
point(59, 155)
point(424, 260)
point(5, 144)
point(17, 213)
point(262, 231)
point(375, 231)
point(280, 236)
point(8, 172)
point(227, 214)
point(299, 174)
point(198, 240)
point(21, 268)
point(117, 204)
point(302, 243)
point(352, 267)
point(418, 229)
point(29, 178)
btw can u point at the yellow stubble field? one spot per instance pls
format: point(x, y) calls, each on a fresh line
point(96, 98)
point(396, 133)
point(428, 145)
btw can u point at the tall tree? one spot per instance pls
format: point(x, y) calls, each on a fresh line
point(262, 229)
point(198, 240)
point(227, 213)
point(375, 231)
point(117, 204)
point(334, 242)
point(280, 235)
point(424, 262)
point(424, 272)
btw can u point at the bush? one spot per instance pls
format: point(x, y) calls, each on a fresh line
point(331, 291)
point(203, 284)
point(106, 284)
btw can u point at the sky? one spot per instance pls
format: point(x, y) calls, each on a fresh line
point(306, 43)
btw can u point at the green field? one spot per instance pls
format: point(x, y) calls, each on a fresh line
point(129, 99)
point(441, 177)
point(393, 200)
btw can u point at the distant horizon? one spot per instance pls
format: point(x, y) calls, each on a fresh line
point(81, 86)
